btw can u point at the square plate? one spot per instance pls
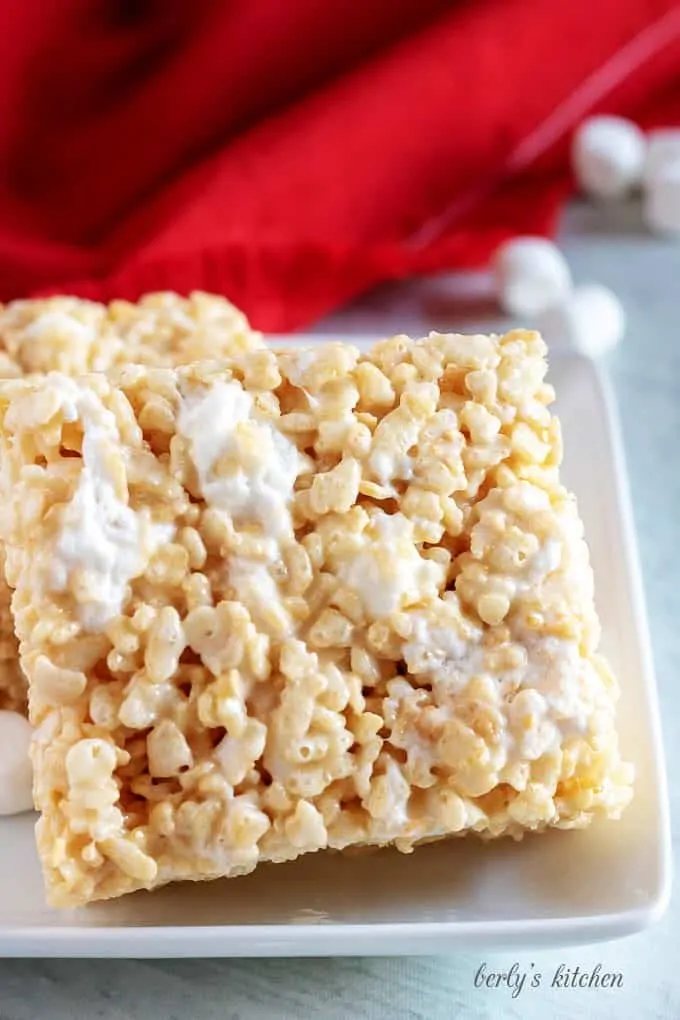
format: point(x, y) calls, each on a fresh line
point(554, 889)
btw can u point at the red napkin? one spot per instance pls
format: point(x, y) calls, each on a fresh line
point(292, 155)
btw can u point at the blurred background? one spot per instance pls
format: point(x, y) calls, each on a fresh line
point(292, 155)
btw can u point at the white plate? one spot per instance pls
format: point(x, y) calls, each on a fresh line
point(554, 889)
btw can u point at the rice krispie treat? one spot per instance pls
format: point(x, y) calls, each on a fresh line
point(300, 600)
point(70, 335)
point(73, 336)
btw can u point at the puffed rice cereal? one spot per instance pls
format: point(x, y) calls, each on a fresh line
point(74, 336)
point(298, 600)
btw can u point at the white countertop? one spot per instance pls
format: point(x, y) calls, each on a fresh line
point(612, 248)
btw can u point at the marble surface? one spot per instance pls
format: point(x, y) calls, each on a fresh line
point(610, 247)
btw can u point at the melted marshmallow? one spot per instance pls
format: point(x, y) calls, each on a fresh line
point(547, 698)
point(221, 425)
point(101, 538)
point(437, 647)
point(299, 363)
point(387, 571)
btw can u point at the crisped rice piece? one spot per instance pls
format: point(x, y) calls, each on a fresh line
point(73, 336)
point(300, 600)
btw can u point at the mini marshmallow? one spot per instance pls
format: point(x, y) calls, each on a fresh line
point(661, 206)
point(608, 156)
point(590, 320)
point(663, 147)
point(16, 772)
point(531, 274)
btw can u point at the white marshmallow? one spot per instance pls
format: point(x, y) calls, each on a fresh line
point(663, 147)
point(531, 273)
point(662, 198)
point(591, 320)
point(608, 156)
point(16, 773)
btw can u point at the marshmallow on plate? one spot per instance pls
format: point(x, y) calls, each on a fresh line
point(531, 273)
point(16, 773)
point(662, 199)
point(663, 148)
point(608, 156)
point(590, 320)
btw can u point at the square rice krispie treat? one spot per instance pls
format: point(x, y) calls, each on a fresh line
point(300, 600)
point(69, 335)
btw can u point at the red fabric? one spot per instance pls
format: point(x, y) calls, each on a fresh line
point(292, 155)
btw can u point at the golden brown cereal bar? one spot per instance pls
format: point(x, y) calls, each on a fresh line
point(299, 600)
point(73, 336)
